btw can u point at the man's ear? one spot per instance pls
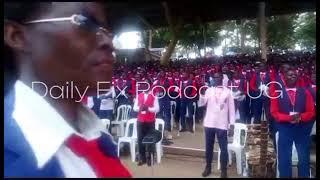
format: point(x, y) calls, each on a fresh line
point(14, 36)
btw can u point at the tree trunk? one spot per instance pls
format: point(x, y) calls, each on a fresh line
point(150, 39)
point(199, 51)
point(165, 58)
point(174, 29)
point(205, 38)
point(263, 37)
point(242, 35)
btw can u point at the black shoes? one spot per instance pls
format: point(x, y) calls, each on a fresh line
point(224, 174)
point(206, 172)
point(166, 142)
point(183, 130)
point(140, 163)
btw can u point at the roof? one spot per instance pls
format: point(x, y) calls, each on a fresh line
point(150, 14)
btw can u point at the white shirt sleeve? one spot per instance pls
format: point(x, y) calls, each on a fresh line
point(231, 108)
point(203, 99)
point(155, 108)
point(135, 105)
point(113, 92)
point(90, 102)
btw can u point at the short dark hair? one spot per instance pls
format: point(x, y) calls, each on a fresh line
point(17, 12)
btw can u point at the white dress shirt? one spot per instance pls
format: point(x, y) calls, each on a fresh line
point(46, 130)
point(220, 111)
point(108, 103)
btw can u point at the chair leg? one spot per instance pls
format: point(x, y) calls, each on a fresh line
point(119, 148)
point(218, 161)
point(230, 157)
point(133, 151)
point(239, 161)
point(158, 151)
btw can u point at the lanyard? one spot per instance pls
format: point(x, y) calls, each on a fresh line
point(293, 98)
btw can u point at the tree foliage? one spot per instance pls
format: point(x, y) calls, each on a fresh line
point(280, 32)
point(305, 30)
point(283, 32)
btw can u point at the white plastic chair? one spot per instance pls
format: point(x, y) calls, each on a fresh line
point(130, 138)
point(294, 156)
point(123, 113)
point(173, 112)
point(236, 146)
point(106, 123)
point(160, 127)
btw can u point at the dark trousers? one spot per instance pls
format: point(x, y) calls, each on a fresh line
point(244, 110)
point(143, 129)
point(300, 135)
point(186, 105)
point(256, 106)
point(96, 105)
point(123, 100)
point(177, 110)
point(165, 111)
point(222, 136)
point(106, 114)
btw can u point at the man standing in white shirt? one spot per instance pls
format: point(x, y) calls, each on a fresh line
point(218, 121)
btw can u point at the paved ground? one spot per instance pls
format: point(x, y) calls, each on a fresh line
point(189, 140)
point(185, 166)
point(175, 166)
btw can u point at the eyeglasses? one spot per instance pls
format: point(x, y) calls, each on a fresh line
point(81, 21)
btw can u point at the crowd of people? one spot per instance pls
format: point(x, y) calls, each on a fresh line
point(244, 71)
point(47, 135)
point(253, 84)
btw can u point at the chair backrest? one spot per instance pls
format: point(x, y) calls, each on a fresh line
point(106, 123)
point(131, 128)
point(240, 134)
point(123, 113)
point(173, 109)
point(160, 126)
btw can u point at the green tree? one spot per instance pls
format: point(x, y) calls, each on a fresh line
point(280, 31)
point(305, 30)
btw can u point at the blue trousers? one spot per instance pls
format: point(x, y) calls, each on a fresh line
point(222, 137)
point(165, 113)
point(300, 135)
point(186, 105)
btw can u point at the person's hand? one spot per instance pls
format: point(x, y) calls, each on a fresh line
point(144, 108)
point(231, 131)
point(296, 118)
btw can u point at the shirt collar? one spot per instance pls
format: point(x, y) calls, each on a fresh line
point(291, 89)
point(44, 128)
